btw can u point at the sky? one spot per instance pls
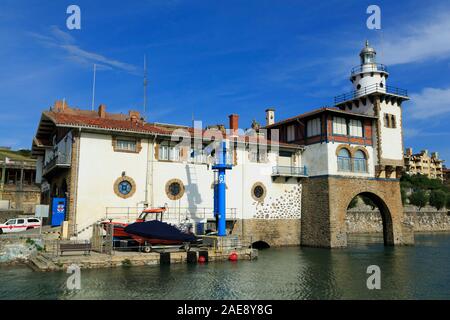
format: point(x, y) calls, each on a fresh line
point(207, 59)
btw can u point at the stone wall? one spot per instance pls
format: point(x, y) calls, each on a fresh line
point(24, 200)
point(422, 221)
point(275, 232)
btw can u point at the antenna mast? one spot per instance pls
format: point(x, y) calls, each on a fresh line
point(145, 85)
point(93, 88)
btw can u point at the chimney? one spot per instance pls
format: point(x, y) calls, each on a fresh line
point(409, 151)
point(59, 105)
point(270, 116)
point(234, 123)
point(134, 116)
point(102, 111)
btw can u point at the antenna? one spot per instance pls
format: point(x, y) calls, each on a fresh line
point(145, 85)
point(93, 88)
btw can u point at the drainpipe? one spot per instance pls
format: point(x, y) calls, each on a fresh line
point(149, 171)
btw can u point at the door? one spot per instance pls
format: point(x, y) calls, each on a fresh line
point(20, 225)
point(10, 225)
point(58, 211)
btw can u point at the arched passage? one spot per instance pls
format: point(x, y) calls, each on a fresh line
point(324, 209)
point(386, 217)
point(260, 245)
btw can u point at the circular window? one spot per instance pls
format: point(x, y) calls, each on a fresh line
point(381, 84)
point(124, 187)
point(174, 189)
point(258, 191)
point(358, 86)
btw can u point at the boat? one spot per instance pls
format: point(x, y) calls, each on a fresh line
point(119, 227)
point(156, 232)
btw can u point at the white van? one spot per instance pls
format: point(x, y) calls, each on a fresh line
point(19, 224)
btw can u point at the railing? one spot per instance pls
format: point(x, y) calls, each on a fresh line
point(290, 171)
point(173, 214)
point(369, 68)
point(59, 159)
point(368, 90)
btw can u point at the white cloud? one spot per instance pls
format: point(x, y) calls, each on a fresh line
point(427, 39)
point(66, 42)
point(431, 102)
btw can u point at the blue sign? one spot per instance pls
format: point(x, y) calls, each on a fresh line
point(58, 211)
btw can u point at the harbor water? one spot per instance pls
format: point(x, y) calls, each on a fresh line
point(417, 272)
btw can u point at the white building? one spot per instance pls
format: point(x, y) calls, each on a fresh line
point(106, 164)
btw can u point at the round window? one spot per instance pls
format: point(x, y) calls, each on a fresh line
point(381, 84)
point(125, 187)
point(174, 189)
point(358, 86)
point(258, 192)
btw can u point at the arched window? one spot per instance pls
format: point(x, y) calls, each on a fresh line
point(344, 160)
point(359, 162)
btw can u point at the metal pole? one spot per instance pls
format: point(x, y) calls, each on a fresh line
point(2, 184)
point(93, 88)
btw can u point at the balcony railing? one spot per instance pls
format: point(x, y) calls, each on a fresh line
point(368, 90)
point(369, 68)
point(58, 160)
point(283, 171)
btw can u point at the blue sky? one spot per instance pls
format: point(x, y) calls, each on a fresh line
point(213, 58)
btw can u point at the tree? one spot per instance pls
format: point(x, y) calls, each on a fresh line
point(353, 203)
point(438, 199)
point(368, 202)
point(404, 196)
point(419, 198)
point(448, 201)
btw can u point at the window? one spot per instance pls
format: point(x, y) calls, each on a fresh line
point(169, 151)
point(356, 128)
point(344, 160)
point(258, 192)
point(20, 221)
point(259, 156)
point(174, 189)
point(359, 162)
point(313, 127)
point(390, 121)
point(126, 145)
point(125, 187)
point(339, 126)
point(11, 222)
point(290, 133)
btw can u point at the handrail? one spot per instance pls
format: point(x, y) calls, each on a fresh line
point(369, 68)
point(300, 171)
point(368, 90)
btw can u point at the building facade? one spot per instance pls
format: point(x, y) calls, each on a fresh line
point(291, 181)
point(18, 190)
point(425, 164)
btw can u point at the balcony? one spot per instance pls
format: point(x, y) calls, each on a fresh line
point(288, 172)
point(374, 67)
point(59, 161)
point(374, 88)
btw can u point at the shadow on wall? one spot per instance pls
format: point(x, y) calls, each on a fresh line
point(193, 195)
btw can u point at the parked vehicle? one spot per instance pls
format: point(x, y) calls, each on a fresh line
point(19, 224)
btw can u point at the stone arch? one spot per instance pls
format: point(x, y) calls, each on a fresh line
point(260, 244)
point(324, 208)
point(386, 217)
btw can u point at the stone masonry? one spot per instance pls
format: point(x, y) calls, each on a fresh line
point(325, 202)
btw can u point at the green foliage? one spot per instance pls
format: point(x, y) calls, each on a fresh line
point(438, 199)
point(367, 201)
point(419, 198)
point(353, 203)
point(126, 263)
point(404, 196)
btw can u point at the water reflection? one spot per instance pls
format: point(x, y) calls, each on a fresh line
point(284, 273)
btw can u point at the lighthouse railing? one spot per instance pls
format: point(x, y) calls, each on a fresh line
point(368, 90)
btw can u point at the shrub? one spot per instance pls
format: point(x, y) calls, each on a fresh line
point(353, 203)
point(367, 201)
point(438, 199)
point(419, 198)
point(404, 196)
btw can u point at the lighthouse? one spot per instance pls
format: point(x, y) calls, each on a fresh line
point(369, 75)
